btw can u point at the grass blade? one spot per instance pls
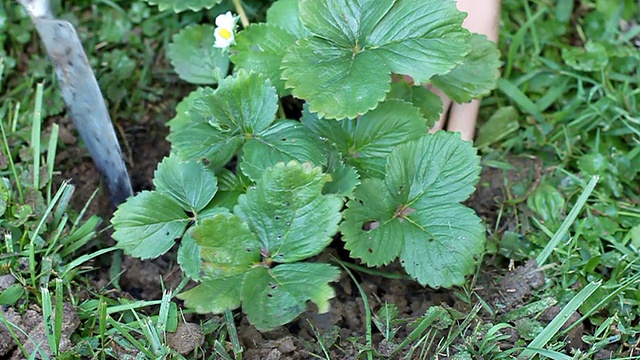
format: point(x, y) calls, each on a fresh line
point(571, 218)
point(233, 334)
point(554, 326)
point(36, 125)
point(518, 97)
point(47, 314)
point(51, 158)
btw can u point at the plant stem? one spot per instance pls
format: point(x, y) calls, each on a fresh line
point(243, 15)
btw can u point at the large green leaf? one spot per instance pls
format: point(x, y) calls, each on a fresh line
point(476, 76)
point(189, 256)
point(261, 47)
point(181, 5)
point(194, 57)
point(343, 68)
point(415, 213)
point(272, 297)
point(214, 296)
point(370, 229)
point(185, 107)
point(438, 169)
point(286, 14)
point(289, 214)
point(241, 106)
point(246, 101)
point(227, 250)
point(366, 142)
point(200, 140)
point(286, 140)
point(187, 182)
point(227, 246)
point(147, 224)
point(442, 245)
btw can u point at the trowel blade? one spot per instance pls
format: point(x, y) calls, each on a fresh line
point(83, 98)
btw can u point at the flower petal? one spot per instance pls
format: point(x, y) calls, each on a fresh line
point(226, 20)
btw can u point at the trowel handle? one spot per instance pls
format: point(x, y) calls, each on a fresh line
point(37, 9)
point(82, 97)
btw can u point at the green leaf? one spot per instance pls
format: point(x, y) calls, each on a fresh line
point(476, 76)
point(421, 97)
point(334, 84)
point(147, 224)
point(188, 182)
point(289, 214)
point(242, 106)
point(593, 57)
point(184, 108)
point(272, 297)
point(212, 210)
point(261, 47)
point(442, 245)
point(343, 68)
point(365, 143)
point(200, 140)
point(369, 229)
point(194, 57)
point(415, 212)
point(214, 296)
point(11, 295)
point(189, 257)
point(286, 140)
point(181, 5)
point(5, 194)
point(437, 169)
point(231, 186)
point(500, 125)
point(344, 178)
point(548, 202)
point(228, 250)
point(227, 246)
point(286, 14)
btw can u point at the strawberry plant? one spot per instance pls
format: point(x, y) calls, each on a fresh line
point(253, 194)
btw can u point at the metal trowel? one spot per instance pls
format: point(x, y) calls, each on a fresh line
point(82, 97)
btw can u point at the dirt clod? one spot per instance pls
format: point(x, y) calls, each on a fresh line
point(250, 338)
point(6, 281)
point(186, 338)
point(143, 279)
point(284, 348)
point(517, 285)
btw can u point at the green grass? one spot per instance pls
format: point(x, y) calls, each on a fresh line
point(568, 97)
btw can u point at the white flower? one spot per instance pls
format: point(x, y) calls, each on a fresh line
point(225, 30)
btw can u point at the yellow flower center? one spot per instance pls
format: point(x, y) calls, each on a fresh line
point(226, 34)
